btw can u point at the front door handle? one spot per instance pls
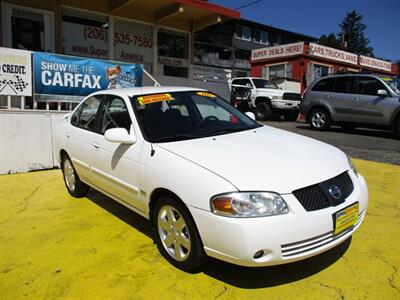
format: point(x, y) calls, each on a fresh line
point(95, 146)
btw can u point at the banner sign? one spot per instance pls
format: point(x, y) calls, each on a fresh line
point(374, 63)
point(278, 51)
point(15, 72)
point(77, 76)
point(333, 54)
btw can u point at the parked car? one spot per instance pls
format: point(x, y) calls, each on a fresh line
point(211, 180)
point(264, 98)
point(353, 100)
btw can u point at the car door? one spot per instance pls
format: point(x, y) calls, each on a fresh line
point(368, 106)
point(79, 136)
point(341, 98)
point(115, 166)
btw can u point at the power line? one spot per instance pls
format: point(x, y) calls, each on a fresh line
point(248, 4)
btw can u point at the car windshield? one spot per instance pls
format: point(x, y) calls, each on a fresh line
point(168, 117)
point(394, 83)
point(264, 84)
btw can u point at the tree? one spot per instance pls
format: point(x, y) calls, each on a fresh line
point(330, 40)
point(398, 67)
point(352, 34)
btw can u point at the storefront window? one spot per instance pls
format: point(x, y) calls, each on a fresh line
point(27, 28)
point(278, 71)
point(173, 53)
point(133, 43)
point(84, 34)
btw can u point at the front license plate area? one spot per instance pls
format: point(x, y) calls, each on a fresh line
point(345, 218)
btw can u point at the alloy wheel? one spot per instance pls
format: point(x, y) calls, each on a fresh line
point(69, 175)
point(174, 233)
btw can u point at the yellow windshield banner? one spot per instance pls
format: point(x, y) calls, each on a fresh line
point(154, 98)
point(206, 94)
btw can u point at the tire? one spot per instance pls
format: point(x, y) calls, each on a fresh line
point(263, 111)
point(291, 116)
point(175, 230)
point(319, 119)
point(71, 179)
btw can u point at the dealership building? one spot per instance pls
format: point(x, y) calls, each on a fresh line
point(306, 61)
point(158, 34)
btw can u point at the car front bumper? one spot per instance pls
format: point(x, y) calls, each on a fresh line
point(285, 104)
point(284, 238)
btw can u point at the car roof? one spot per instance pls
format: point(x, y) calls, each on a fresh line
point(130, 92)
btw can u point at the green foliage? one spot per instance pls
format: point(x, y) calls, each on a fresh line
point(352, 33)
point(330, 40)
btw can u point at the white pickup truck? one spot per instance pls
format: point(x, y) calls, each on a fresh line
point(264, 98)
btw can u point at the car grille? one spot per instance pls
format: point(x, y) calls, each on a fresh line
point(292, 96)
point(309, 245)
point(317, 196)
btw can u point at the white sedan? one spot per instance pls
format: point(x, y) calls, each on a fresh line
point(211, 180)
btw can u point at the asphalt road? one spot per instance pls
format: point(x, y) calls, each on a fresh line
point(368, 144)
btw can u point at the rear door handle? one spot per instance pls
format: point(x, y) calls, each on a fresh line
point(95, 146)
point(357, 98)
point(67, 135)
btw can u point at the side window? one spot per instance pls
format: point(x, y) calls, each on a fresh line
point(344, 85)
point(75, 116)
point(87, 119)
point(245, 82)
point(369, 86)
point(325, 85)
point(115, 115)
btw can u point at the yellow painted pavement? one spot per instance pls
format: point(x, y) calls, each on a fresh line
point(53, 246)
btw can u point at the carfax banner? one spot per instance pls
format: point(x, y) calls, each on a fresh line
point(77, 76)
point(15, 72)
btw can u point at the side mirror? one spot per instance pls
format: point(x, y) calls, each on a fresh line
point(120, 135)
point(250, 115)
point(382, 93)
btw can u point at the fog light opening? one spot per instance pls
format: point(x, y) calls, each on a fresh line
point(258, 254)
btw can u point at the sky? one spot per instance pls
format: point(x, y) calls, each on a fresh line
point(314, 18)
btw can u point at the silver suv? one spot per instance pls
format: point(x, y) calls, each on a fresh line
point(353, 100)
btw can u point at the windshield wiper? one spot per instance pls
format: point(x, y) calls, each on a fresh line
point(174, 138)
point(226, 130)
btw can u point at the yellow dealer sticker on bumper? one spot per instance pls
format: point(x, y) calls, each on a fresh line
point(205, 94)
point(346, 218)
point(154, 98)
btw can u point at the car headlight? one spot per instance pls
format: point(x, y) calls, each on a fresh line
point(352, 167)
point(277, 97)
point(248, 204)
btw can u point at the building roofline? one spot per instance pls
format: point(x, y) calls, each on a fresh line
point(253, 23)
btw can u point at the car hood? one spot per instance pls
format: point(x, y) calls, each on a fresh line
point(265, 158)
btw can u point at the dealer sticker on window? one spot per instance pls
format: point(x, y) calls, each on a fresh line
point(205, 94)
point(154, 98)
point(346, 218)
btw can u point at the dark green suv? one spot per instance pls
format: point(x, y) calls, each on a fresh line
point(353, 100)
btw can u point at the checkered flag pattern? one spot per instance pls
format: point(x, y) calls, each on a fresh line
point(16, 84)
point(19, 84)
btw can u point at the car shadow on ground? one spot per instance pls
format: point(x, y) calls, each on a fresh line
point(357, 131)
point(262, 277)
point(241, 277)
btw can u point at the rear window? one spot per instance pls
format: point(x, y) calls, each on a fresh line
point(344, 85)
point(325, 85)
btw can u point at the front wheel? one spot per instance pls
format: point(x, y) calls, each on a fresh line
point(320, 119)
point(74, 185)
point(263, 111)
point(176, 235)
